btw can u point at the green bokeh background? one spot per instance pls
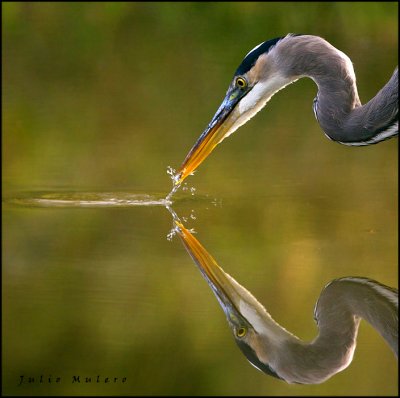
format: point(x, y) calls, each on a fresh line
point(103, 97)
point(143, 79)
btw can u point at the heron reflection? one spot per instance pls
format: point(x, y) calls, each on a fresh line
point(272, 349)
point(274, 64)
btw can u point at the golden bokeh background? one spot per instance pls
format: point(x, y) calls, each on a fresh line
point(102, 97)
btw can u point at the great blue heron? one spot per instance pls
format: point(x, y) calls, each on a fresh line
point(274, 64)
point(277, 352)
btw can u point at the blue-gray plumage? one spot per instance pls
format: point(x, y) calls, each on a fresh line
point(276, 63)
point(272, 349)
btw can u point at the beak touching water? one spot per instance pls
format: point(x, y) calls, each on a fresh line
point(220, 127)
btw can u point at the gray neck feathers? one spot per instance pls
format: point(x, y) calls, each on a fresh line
point(337, 106)
point(359, 298)
point(341, 306)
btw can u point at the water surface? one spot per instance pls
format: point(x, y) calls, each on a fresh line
point(98, 99)
point(101, 290)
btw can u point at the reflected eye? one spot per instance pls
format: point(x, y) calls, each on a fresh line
point(241, 332)
point(241, 82)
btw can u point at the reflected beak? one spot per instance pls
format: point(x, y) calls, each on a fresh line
point(220, 282)
point(219, 128)
point(230, 296)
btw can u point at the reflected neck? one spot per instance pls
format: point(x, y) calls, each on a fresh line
point(338, 313)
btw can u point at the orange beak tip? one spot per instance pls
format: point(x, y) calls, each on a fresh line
point(178, 178)
point(179, 226)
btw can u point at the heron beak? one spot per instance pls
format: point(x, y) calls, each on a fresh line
point(223, 285)
point(216, 131)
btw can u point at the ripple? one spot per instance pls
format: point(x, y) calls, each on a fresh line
point(88, 199)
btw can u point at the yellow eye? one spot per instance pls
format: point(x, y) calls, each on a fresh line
point(241, 332)
point(241, 82)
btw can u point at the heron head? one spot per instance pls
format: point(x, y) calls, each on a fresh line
point(256, 79)
point(252, 327)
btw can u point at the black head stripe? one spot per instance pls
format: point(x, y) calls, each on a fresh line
point(252, 357)
point(253, 55)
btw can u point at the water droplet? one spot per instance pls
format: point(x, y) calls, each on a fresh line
point(217, 202)
point(171, 171)
point(172, 233)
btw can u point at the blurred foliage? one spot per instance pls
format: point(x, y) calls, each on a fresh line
point(104, 96)
point(92, 92)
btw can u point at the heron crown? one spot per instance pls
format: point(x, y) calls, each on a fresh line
point(251, 58)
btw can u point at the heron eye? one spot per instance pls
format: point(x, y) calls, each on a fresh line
point(241, 82)
point(241, 332)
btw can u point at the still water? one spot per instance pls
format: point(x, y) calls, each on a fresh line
point(93, 288)
point(99, 98)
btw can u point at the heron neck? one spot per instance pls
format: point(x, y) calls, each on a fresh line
point(359, 298)
point(338, 312)
point(314, 362)
point(337, 106)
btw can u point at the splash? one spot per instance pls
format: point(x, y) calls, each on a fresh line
point(176, 220)
point(172, 233)
point(187, 188)
point(176, 184)
point(173, 190)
